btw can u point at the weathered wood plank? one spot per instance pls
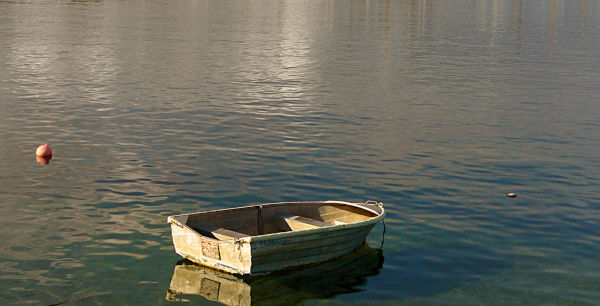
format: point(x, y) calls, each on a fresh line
point(268, 248)
point(297, 223)
point(219, 232)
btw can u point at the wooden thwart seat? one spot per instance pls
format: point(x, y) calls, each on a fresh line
point(298, 223)
point(219, 232)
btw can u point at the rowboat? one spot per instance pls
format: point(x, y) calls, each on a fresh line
point(262, 238)
point(292, 286)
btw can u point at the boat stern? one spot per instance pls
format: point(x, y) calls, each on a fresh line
point(231, 256)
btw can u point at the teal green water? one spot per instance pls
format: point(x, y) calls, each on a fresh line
point(436, 108)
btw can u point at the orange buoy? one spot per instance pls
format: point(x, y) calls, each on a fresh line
point(43, 151)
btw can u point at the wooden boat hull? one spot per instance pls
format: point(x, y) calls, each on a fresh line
point(260, 239)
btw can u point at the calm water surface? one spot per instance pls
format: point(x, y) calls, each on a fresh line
point(436, 108)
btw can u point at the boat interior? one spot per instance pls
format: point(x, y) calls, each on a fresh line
point(266, 219)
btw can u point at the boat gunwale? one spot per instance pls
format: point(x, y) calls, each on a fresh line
point(282, 235)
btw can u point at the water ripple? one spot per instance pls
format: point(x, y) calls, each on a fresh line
point(174, 107)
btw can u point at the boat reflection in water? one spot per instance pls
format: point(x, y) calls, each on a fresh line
point(289, 287)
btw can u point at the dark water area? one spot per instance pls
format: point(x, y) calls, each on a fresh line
point(436, 108)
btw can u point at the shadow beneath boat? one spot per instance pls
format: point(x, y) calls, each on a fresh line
point(287, 287)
